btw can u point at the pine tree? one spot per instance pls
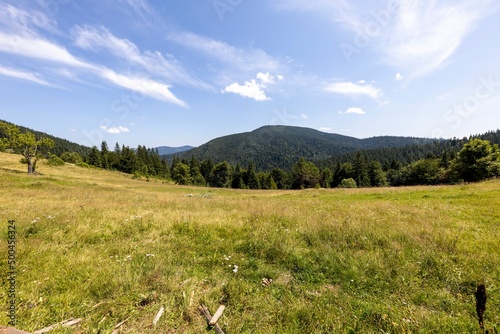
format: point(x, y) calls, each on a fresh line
point(194, 170)
point(326, 177)
point(376, 174)
point(251, 178)
point(94, 157)
point(221, 175)
point(104, 155)
point(237, 181)
point(361, 175)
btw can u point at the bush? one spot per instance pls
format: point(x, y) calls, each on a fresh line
point(348, 183)
point(83, 164)
point(54, 160)
point(71, 157)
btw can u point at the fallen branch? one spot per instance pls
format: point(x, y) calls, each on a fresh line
point(115, 329)
point(205, 312)
point(65, 323)
point(10, 330)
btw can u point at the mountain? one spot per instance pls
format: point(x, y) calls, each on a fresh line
point(281, 146)
point(167, 150)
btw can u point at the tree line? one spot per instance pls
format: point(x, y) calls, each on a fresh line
point(476, 160)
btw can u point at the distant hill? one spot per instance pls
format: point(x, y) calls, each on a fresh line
point(281, 146)
point(167, 150)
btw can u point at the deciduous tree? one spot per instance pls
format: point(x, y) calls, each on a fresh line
point(26, 144)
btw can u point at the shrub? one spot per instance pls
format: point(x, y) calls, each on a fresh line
point(348, 183)
point(54, 160)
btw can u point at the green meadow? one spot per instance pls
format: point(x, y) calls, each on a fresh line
point(104, 247)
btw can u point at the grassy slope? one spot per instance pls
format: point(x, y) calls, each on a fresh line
point(402, 260)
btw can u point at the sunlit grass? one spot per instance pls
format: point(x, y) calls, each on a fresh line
point(103, 247)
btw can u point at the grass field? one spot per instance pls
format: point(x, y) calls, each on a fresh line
point(103, 247)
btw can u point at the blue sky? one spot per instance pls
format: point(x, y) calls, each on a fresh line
point(151, 72)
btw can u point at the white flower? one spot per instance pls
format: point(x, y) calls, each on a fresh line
point(235, 269)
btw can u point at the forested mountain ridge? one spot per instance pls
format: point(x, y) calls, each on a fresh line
point(281, 146)
point(404, 155)
point(60, 145)
point(166, 150)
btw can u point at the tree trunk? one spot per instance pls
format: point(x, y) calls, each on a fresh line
point(30, 166)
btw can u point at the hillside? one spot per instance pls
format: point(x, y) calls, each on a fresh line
point(61, 145)
point(315, 261)
point(281, 146)
point(404, 155)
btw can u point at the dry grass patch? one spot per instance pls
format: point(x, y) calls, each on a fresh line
point(104, 247)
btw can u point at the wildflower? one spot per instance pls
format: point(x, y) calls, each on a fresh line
point(150, 255)
point(235, 269)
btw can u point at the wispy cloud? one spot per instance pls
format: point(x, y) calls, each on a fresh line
point(233, 61)
point(419, 36)
point(399, 77)
point(29, 44)
point(361, 88)
point(33, 77)
point(426, 33)
point(155, 63)
point(325, 129)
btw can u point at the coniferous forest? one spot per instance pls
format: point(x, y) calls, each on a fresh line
point(429, 163)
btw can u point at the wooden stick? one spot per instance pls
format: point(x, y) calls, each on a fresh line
point(204, 311)
point(10, 330)
point(217, 315)
point(65, 323)
point(115, 329)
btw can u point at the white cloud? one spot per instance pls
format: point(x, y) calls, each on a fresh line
point(114, 130)
point(399, 76)
point(265, 78)
point(254, 88)
point(354, 89)
point(30, 46)
point(145, 86)
point(23, 75)
point(304, 116)
point(250, 89)
point(325, 129)
point(353, 110)
point(18, 36)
